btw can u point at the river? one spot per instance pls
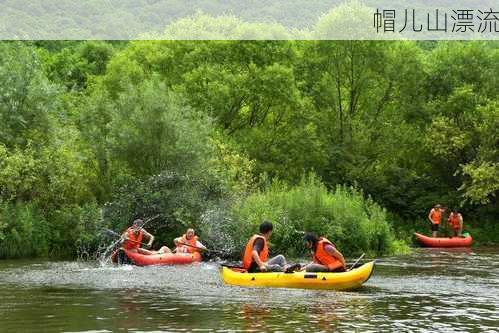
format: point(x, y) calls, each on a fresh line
point(429, 290)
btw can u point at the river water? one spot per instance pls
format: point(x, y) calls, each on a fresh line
point(429, 290)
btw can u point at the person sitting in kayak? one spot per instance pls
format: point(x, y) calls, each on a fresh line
point(132, 238)
point(188, 242)
point(256, 253)
point(325, 255)
point(455, 221)
point(435, 218)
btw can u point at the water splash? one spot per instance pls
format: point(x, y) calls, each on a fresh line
point(215, 226)
point(104, 257)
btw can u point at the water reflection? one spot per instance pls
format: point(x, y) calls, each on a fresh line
point(324, 315)
point(254, 317)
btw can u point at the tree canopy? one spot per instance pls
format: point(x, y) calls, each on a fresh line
point(105, 130)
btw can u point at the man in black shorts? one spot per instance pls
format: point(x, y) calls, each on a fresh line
point(255, 257)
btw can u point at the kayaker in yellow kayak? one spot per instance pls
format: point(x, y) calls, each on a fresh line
point(325, 255)
point(256, 253)
point(188, 242)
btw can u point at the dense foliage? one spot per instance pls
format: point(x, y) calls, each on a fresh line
point(357, 223)
point(220, 133)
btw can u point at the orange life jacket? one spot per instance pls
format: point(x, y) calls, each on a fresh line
point(454, 220)
point(322, 257)
point(248, 251)
point(436, 216)
point(188, 249)
point(134, 240)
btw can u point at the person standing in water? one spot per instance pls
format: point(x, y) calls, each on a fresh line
point(455, 221)
point(435, 218)
point(326, 258)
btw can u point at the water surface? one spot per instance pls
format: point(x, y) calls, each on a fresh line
point(429, 290)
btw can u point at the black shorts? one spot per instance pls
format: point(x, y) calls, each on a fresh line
point(254, 268)
point(434, 227)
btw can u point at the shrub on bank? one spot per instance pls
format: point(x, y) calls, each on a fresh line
point(178, 200)
point(354, 223)
point(27, 231)
point(22, 231)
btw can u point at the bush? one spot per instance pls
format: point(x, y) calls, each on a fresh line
point(178, 199)
point(355, 224)
point(152, 131)
point(23, 231)
point(27, 231)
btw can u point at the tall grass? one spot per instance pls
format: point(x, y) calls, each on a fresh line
point(354, 223)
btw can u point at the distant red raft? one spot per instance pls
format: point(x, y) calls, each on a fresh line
point(444, 241)
point(128, 257)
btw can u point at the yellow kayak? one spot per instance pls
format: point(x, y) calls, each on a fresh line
point(352, 279)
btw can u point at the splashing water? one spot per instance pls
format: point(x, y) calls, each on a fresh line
point(214, 224)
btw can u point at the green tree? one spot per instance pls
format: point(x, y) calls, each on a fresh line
point(27, 98)
point(151, 131)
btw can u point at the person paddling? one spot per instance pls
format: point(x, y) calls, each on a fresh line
point(455, 221)
point(325, 255)
point(188, 242)
point(435, 218)
point(256, 253)
point(132, 238)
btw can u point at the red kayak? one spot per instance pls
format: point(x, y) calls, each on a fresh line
point(444, 241)
point(125, 256)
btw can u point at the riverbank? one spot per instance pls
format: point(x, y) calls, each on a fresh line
point(354, 222)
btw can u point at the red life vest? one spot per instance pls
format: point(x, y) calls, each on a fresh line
point(185, 248)
point(248, 251)
point(454, 220)
point(322, 257)
point(134, 240)
point(436, 216)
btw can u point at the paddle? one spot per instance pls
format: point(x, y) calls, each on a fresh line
point(149, 220)
point(114, 234)
point(112, 246)
point(232, 266)
point(355, 263)
point(203, 249)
